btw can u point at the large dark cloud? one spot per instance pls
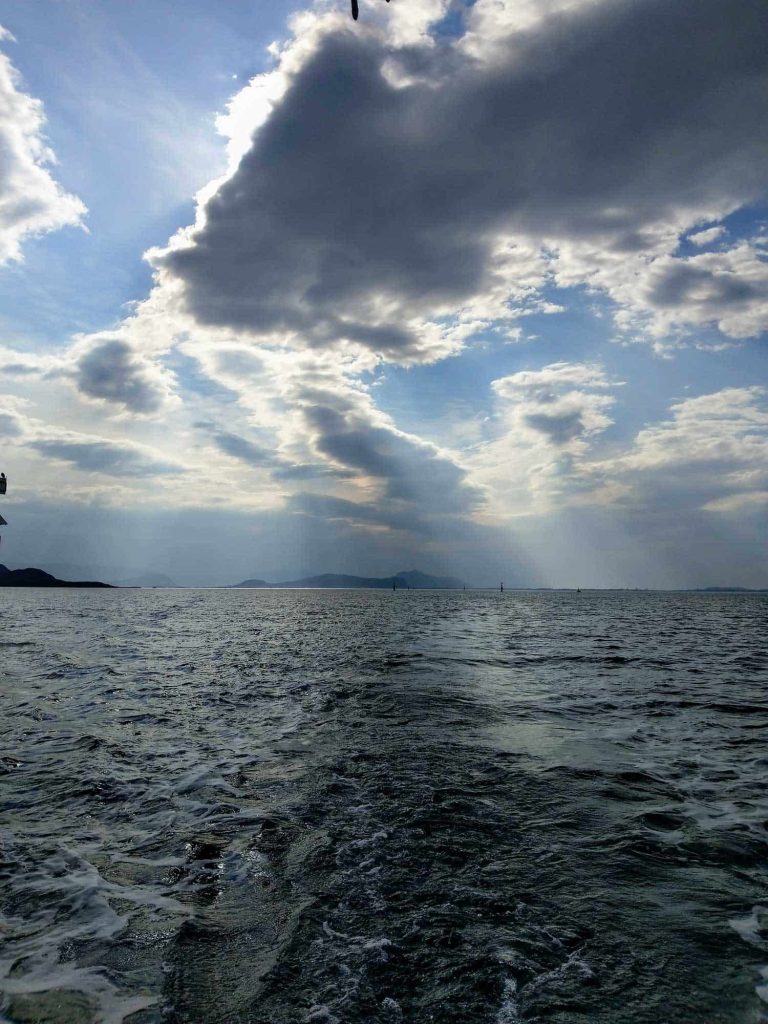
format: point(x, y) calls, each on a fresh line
point(605, 123)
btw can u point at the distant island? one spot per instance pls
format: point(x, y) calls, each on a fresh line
point(38, 578)
point(410, 580)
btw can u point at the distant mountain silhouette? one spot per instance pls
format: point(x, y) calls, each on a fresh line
point(410, 580)
point(38, 578)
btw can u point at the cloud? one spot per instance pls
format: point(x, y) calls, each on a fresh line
point(97, 455)
point(395, 196)
point(410, 470)
point(16, 364)
point(260, 457)
point(31, 202)
point(85, 452)
point(9, 425)
point(712, 453)
point(307, 417)
point(728, 289)
point(109, 369)
point(669, 296)
point(708, 236)
point(390, 466)
point(382, 518)
point(21, 368)
point(356, 514)
point(546, 425)
point(327, 428)
point(695, 481)
point(309, 471)
point(242, 449)
point(589, 128)
point(561, 403)
point(681, 503)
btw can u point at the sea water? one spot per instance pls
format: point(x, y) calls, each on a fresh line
point(338, 807)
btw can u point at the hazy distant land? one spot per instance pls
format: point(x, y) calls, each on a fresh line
point(412, 579)
point(409, 580)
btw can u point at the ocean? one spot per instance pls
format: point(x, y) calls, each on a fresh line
point(273, 807)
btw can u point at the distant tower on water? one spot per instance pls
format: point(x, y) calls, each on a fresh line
point(501, 588)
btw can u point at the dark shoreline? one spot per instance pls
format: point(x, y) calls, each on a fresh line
point(37, 578)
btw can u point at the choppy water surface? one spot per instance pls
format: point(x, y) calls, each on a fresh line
point(279, 807)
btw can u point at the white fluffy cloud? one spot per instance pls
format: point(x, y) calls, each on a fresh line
point(31, 202)
point(707, 236)
point(544, 430)
point(711, 454)
point(549, 451)
point(670, 296)
point(563, 403)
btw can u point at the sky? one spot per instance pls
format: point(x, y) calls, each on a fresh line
point(475, 288)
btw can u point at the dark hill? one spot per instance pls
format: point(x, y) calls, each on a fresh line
point(38, 578)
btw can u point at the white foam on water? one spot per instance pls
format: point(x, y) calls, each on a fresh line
point(392, 1009)
point(320, 1014)
point(762, 990)
point(72, 901)
point(509, 1011)
point(378, 948)
point(83, 885)
point(110, 1006)
point(204, 778)
point(753, 927)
